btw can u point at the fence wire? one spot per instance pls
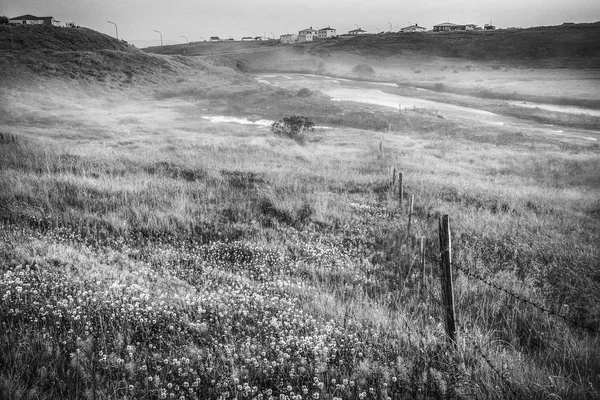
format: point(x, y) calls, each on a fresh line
point(516, 296)
point(478, 349)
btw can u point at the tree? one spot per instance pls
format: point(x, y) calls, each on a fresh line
point(294, 127)
point(3, 20)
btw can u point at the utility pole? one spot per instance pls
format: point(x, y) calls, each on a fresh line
point(160, 36)
point(116, 28)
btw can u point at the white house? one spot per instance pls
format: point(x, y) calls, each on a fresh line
point(413, 28)
point(357, 32)
point(326, 33)
point(288, 38)
point(305, 37)
point(29, 19)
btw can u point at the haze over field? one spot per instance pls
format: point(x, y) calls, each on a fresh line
point(195, 19)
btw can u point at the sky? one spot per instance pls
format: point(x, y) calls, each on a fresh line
point(200, 19)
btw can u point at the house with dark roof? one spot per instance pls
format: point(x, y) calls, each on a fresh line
point(309, 31)
point(358, 31)
point(448, 26)
point(413, 28)
point(29, 19)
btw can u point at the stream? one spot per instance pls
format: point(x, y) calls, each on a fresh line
point(368, 92)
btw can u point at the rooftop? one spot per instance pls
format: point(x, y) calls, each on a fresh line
point(30, 17)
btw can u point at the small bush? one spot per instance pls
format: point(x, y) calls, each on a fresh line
point(294, 127)
point(363, 69)
point(304, 92)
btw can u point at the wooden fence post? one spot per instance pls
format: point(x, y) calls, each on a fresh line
point(393, 178)
point(423, 278)
point(446, 261)
point(400, 190)
point(410, 212)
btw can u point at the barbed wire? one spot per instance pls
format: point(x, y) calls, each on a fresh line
point(522, 299)
point(478, 349)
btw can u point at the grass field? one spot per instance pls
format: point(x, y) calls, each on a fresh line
point(147, 253)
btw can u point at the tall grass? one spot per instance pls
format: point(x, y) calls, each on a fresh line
point(219, 270)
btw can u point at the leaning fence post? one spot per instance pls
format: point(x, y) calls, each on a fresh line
point(446, 261)
point(400, 190)
point(423, 278)
point(410, 212)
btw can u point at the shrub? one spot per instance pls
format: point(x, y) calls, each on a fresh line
point(363, 69)
point(294, 127)
point(304, 92)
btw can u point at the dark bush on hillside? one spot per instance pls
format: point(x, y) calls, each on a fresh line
point(304, 92)
point(363, 69)
point(294, 127)
point(3, 20)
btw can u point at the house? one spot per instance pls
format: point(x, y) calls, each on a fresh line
point(288, 38)
point(29, 19)
point(326, 33)
point(215, 39)
point(247, 39)
point(471, 27)
point(448, 26)
point(306, 37)
point(413, 28)
point(357, 32)
point(309, 31)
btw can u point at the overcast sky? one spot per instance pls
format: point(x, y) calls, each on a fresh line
point(197, 19)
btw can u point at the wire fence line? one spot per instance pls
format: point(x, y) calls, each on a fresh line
point(478, 349)
point(473, 275)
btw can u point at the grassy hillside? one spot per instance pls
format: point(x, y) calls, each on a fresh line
point(44, 37)
point(146, 253)
point(555, 46)
point(564, 46)
point(47, 55)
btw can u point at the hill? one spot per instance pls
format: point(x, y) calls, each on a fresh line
point(44, 37)
point(565, 46)
point(51, 56)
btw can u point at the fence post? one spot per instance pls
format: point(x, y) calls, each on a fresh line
point(423, 278)
point(410, 212)
point(393, 178)
point(446, 261)
point(381, 145)
point(400, 190)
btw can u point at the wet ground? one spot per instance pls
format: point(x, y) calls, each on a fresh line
point(370, 93)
